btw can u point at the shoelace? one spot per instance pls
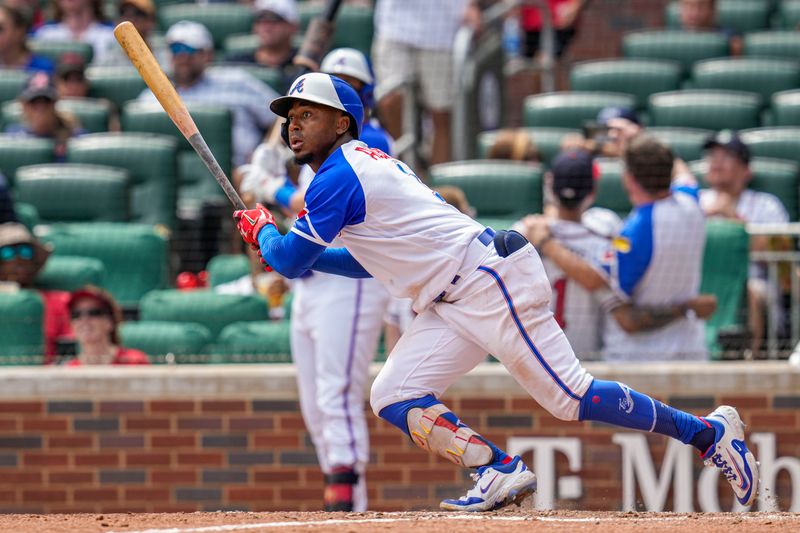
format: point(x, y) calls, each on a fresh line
point(719, 462)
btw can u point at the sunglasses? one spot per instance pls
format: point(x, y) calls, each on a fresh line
point(269, 17)
point(90, 313)
point(181, 48)
point(10, 252)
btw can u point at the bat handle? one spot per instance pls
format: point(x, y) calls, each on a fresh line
point(202, 149)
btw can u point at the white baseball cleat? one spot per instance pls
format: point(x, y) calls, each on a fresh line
point(496, 486)
point(729, 453)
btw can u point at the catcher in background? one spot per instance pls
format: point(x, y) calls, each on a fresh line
point(476, 291)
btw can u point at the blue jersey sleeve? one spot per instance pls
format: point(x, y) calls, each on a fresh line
point(633, 249)
point(334, 199)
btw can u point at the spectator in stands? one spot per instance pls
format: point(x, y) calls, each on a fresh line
point(7, 212)
point(80, 20)
point(95, 318)
point(22, 257)
point(31, 10)
point(42, 119)
point(70, 79)
point(729, 197)
point(514, 144)
point(14, 51)
point(413, 44)
point(192, 50)
point(701, 15)
point(565, 15)
point(649, 276)
point(142, 14)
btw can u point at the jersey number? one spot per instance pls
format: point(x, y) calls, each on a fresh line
point(560, 287)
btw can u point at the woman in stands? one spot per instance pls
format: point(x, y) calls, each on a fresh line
point(14, 51)
point(95, 317)
point(80, 20)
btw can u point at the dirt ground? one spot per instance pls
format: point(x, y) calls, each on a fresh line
point(513, 521)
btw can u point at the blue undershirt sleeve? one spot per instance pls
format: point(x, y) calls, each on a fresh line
point(289, 255)
point(339, 261)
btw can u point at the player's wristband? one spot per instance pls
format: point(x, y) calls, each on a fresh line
point(283, 196)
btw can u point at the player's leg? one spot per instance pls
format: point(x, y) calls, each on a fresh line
point(393, 67)
point(428, 358)
point(435, 70)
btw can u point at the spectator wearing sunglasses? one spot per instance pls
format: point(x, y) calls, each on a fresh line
point(142, 14)
point(14, 51)
point(22, 257)
point(95, 318)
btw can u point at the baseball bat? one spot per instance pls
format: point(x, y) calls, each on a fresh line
point(150, 71)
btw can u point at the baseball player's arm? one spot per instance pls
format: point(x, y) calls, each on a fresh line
point(633, 319)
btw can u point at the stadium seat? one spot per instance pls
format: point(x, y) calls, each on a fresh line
point(240, 43)
point(186, 341)
point(610, 191)
point(151, 161)
point(569, 109)
point(116, 84)
point(788, 16)
point(776, 176)
point(221, 20)
point(779, 143)
point(18, 152)
point(26, 214)
point(12, 82)
point(254, 342)
point(763, 76)
point(686, 143)
point(495, 188)
point(705, 109)
point(638, 77)
point(21, 334)
point(783, 44)
point(53, 50)
point(227, 267)
point(725, 265)
point(547, 141)
point(69, 273)
point(354, 25)
point(785, 109)
point(741, 16)
point(91, 113)
point(270, 76)
point(135, 256)
point(212, 310)
point(685, 47)
point(66, 192)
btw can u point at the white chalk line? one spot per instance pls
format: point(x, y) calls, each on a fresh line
point(455, 517)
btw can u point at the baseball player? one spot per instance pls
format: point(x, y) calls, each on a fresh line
point(337, 320)
point(476, 291)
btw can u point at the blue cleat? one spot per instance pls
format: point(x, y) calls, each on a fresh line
point(729, 453)
point(496, 486)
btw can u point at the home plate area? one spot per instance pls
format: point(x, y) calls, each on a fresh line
point(512, 521)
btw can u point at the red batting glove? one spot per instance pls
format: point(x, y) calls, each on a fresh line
point(250, 221)
point(261, 259)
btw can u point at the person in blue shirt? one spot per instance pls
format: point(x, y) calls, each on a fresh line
point(14, 51)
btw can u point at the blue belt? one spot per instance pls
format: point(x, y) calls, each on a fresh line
point(486, 238)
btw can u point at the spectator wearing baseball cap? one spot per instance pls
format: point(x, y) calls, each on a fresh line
point(95, 318)
point(616, 126)
point(191, 52)
point(729, 197)
point(70, 79)
point(142, 14)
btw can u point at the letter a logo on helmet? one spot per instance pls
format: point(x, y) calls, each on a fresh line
point(323, 89)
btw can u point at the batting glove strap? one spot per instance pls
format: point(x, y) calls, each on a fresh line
point(250, 221)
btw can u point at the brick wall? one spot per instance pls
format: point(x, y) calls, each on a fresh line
point(207, 438)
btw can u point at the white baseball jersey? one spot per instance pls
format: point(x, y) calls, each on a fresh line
point(657, 261)
point(389, 220)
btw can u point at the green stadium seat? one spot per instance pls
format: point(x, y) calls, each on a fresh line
point(495, 188)
point(779, 143)
point(547, 141)
point(91, 113)
point(725, 265)
point(354, 25)
point(783, 44)
point(151, 162)
point(116, 84)
point(239, 44)
point(570, 109)
point(785, 108)
point(187, 342)
point(135, 256)
point(610, 191)
point(776, 176)
point(221, 20)
point(18, 152)
point(227, 267)
point(65, 192)
point(21, 333)
point(705, 109)
point(26, 214)
point(763, 76)
point(270, 76)
point(254, 342)
point(788, 16)
point(685, 47)
point(53, 50)
point(12, 82)
point(639, 77)
point(686, 143)
point(212, 310)
point(741, 16)
point(69, 273)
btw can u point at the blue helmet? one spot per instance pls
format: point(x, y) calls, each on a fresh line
point(326, 90)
